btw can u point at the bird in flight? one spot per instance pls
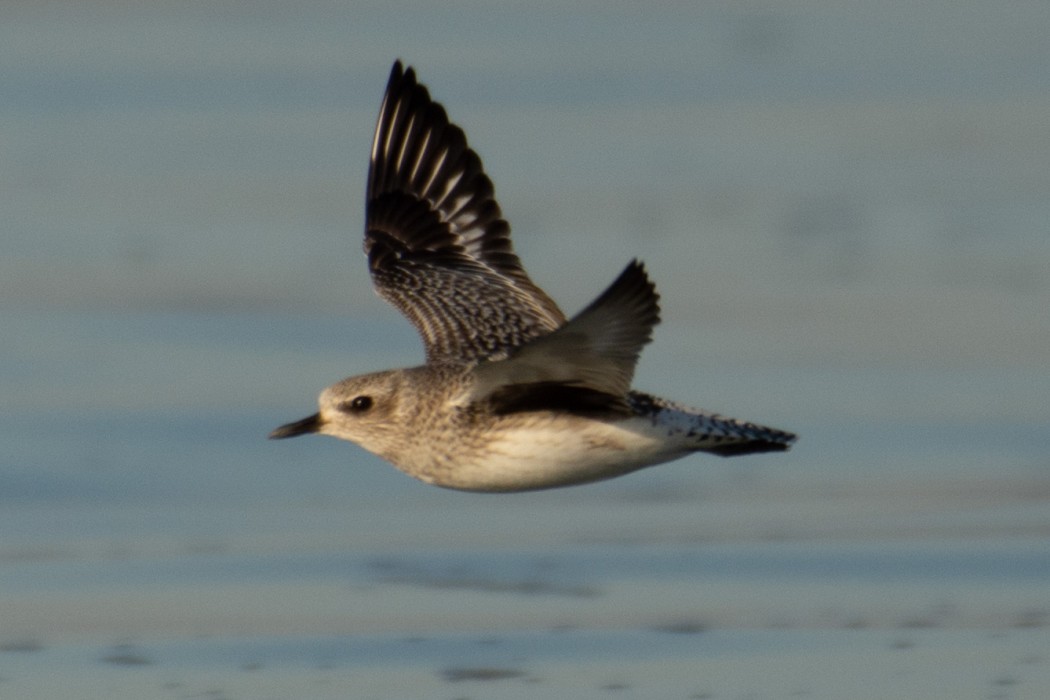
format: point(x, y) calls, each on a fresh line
point(513, 395)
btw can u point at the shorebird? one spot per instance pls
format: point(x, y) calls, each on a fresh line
point(513, 396)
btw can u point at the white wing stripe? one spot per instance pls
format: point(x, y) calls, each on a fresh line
point(435, 170)
point(422, 151)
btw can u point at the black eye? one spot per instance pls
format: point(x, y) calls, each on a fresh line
point(358, 404)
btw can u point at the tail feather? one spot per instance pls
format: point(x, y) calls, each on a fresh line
point(710, 432)
point(735, 449)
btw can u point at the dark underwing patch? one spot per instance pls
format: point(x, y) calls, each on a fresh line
point(562, 397)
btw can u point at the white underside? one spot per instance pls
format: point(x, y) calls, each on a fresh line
point(541, 456)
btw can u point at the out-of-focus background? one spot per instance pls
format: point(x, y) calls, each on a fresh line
point(845, 207)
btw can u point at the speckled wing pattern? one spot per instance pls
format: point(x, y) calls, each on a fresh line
point(437, 245)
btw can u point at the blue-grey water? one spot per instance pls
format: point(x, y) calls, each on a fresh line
point(845, 210)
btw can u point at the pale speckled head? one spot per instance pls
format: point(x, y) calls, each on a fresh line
point(362, 409)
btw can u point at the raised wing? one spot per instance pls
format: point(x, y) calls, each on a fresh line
point(587, 364)
point(437, 246)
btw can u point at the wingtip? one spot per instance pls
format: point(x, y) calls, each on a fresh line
point(400, 73)
point(636, 279)
point(636, 269)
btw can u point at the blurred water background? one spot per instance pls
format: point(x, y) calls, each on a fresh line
point(844, 207)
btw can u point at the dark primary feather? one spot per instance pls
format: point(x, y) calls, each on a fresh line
point(438, 247)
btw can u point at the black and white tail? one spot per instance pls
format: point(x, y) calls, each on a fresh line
point(710, 432)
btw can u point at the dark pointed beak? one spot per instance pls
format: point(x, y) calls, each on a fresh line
point(310, 424)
